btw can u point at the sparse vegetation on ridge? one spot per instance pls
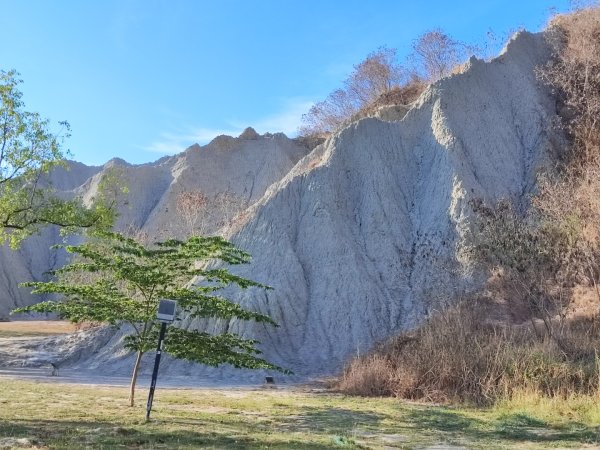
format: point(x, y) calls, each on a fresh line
point(376, 75)
point(380, 80)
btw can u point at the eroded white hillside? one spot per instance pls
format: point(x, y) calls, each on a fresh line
point(243, 167)
point(363, 237)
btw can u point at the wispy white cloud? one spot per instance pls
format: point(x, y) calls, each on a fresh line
point(287, 121)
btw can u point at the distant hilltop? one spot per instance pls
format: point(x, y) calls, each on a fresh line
point(226, 182)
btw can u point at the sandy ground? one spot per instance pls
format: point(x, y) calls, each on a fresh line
point(25, 355)
point(37, 327)
point(93, 379)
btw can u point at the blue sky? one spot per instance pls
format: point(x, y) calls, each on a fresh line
point(140, 79)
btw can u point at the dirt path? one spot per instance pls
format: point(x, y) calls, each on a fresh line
point(22, 328)
point(89, 378)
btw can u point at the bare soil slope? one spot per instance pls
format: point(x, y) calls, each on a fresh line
point(363, 235)
point(243, 167)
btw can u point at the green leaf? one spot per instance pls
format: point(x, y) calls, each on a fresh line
point(116, 280)
point(28, 152)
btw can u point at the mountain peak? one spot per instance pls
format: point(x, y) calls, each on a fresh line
point(249, 134)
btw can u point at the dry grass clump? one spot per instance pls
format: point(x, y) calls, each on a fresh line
point(371, 376)
point(574, 75)
point(399, 95)
point(456, 356)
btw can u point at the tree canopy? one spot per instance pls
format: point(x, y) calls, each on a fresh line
point(380, 79)
point(29, 150)
point(377, 74)
point(116, 280)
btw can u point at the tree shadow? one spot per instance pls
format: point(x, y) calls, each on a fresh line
point(516, 428)
point(80, 434)
point(440, 420)
point(337, 425)
point(521, 427)
point(330, 420)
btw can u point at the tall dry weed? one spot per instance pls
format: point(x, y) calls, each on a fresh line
point(457, 356)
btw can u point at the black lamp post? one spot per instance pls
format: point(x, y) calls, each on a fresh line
point(165, 315)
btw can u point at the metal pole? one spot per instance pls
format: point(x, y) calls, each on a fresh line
point(161, 337)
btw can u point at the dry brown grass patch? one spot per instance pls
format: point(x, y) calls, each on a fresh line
point(36, 327)
point(458, 356)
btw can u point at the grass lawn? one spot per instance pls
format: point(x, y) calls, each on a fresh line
point(66, 416)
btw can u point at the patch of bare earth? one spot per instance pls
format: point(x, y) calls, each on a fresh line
point(22, 328)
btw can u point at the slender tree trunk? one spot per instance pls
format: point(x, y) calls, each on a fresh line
point(134, 376)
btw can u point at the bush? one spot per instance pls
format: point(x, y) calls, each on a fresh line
point(456, 356)
point(436, 55)
point(380, 80)
point(376, 75)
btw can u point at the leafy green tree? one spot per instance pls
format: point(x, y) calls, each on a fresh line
point(117, 280)
point(28, 151)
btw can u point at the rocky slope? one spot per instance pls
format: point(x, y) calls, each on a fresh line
point(364, 236)
point(242, 168)
point(34, 257)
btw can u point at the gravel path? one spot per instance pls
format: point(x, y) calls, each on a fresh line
point(31, 358)
point(44, 374)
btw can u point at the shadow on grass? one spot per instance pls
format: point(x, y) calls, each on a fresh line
point(309, 428)
point(66, 434)
point(521, 427)
point(330, 420)
point(516, 428)
point(441, 420)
